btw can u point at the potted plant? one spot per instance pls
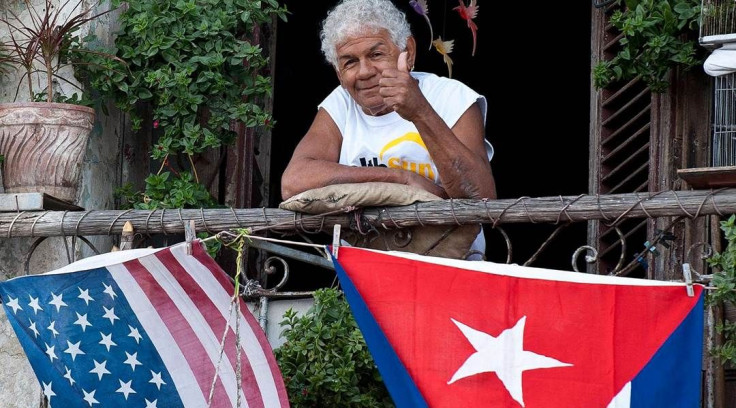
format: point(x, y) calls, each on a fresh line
point(44, 137)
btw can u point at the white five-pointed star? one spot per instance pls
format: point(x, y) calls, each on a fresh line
point(33, 328)
point(47, 391)
point(90, 397)
point(107, 340)
point(84, 294)
point(50, 352)
point(68, 375)
point(110, 314)
point(52, 328)
point(132, 360)
point(34, 304)
point(109, 290)
point(13, 304)
point(503, 355)
point(100, 369)
point(125, 388)
point(82, 321)
point(156, 379)
point(73, 349)
point(150, 404)
point(57, 301)
point(135, 334)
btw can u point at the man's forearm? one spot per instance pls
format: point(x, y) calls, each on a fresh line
point(463, 173)
point(307, 174)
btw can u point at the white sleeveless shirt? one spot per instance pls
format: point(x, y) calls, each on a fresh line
point(391, 141)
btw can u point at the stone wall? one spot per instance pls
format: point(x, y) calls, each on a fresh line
point(102, 170)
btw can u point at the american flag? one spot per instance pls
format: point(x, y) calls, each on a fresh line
point(144, 332)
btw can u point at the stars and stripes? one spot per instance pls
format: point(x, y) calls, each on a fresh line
point(142, 333)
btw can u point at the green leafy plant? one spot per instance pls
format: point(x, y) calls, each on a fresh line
point(724, 281)
point(165, 191)
point(194, 66)
point(657, 35)
point(325, 361)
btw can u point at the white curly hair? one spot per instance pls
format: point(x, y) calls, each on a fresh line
point(354, 17)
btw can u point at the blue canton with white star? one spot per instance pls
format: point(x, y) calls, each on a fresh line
point(85, 343)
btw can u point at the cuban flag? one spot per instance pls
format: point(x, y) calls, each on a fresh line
point(143, 328)
point(448, 333)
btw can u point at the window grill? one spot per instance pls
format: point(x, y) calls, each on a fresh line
point(724, 120)
point(718, 27)
point(717, 22)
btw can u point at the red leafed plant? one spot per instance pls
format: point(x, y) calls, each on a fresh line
point(39, 43)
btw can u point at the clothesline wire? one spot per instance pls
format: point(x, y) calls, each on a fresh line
point(283, 241)
point(232, 235)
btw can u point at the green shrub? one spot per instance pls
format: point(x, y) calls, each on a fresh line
point(325, 361)
point(657, 35)
point(724, 280)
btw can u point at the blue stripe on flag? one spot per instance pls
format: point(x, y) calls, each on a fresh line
point(672, 377)
point(400, 385)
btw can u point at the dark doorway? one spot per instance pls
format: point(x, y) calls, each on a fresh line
point(535, 73)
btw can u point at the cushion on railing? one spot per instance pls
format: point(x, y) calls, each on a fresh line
point(447, 241)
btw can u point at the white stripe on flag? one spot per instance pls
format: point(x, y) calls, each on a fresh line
point(623, 399)
point(530, 272)
point(184, 379)
point(251, 346)
point(209, 340)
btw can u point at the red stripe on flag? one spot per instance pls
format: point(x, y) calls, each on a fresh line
point(194, 352)
point(217, 324)
point(203, 257)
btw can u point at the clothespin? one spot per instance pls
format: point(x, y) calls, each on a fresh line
point(687, 274)
point(642, 261)
point(665, 237)
point(651, 248)
point(189, 235)
point(335, 239)
point(127, 236)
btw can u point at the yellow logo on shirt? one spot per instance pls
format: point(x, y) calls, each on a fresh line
point(420, 167)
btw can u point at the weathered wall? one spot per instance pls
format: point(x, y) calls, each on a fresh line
point(275, 313)
point(102, 170)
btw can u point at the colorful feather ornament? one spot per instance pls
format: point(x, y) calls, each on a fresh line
point(468, 14)
point(445, 48)
point(420, 6)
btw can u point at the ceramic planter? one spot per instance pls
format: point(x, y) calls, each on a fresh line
point(44, 144)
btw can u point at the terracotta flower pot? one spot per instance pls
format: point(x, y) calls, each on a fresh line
point(44, 144)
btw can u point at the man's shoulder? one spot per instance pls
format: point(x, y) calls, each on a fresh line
point(338, 93)
point(337, 99)
point(435, 86)
point(432, 77)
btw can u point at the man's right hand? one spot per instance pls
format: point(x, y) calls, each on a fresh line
point(415, 180)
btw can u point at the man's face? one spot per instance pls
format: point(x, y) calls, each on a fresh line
point(360, 61)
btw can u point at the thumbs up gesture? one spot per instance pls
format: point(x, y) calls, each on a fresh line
point(400, 91)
